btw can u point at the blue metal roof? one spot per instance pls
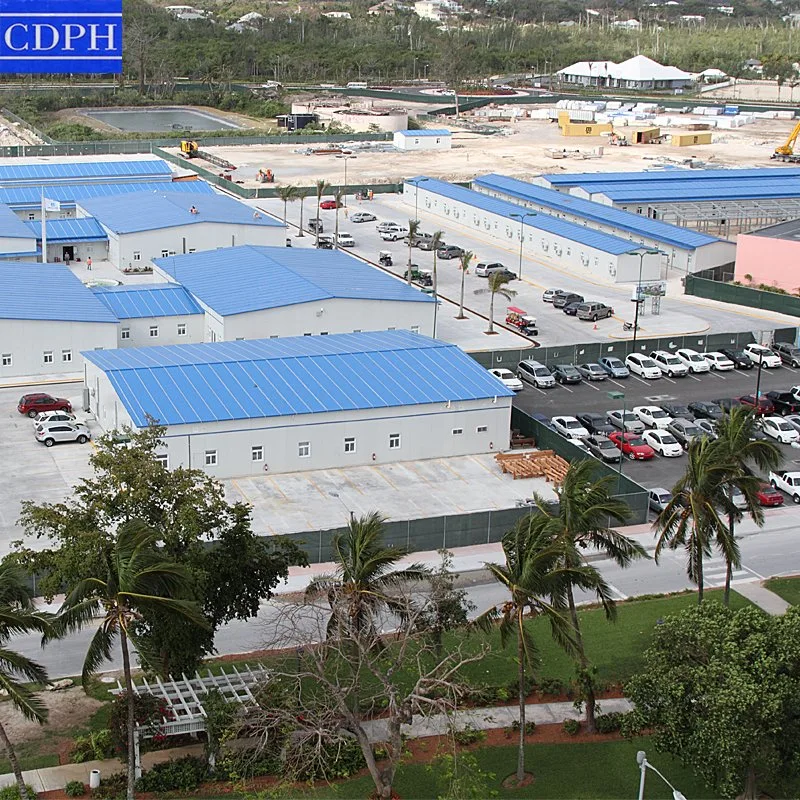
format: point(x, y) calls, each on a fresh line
point(75, 229)
point(47, 292)
point(48, 172)
point(585, 178)
point(596, 212)
point(427, 132)
point(147, 300)
point(677, 192)
point(147, 211)
point(235, 280)
point(12, 227)
point(192, 383)
point(558, 227)
point(31, 196)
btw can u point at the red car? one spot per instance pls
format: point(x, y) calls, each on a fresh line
point(632, 445)
point(769, 496)
point(328, 204)
point(33, 404)
point(763, 406)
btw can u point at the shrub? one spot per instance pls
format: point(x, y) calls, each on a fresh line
point(468, 735)
point(97, 745)
point(571, 727)
point(181, 774)
point(552, 686)
point(530, 727)
point(75, 789)
point(609, 723)
point(12, 792)
point(114, 787)
point(343, 760)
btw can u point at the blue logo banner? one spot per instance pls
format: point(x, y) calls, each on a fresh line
point(61, 36)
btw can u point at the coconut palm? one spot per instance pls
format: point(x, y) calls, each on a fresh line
point(338, 197)
point(436, 243)
point(18, 615)
point(497, 284)
point(693, 518)
point(288, 194)
point(361, 587)
point(136, 578)
point(413, 229)
point(465, 259)
point(536, 575)
point(321, 187)
point(302, 193)
point(586, 509)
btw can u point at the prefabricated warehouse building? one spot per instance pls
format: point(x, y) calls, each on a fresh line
point(545, 238)
point(684, 249)
point(305, 403)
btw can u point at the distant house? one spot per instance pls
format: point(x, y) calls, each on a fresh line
point(187, 12)
point(436, 10)
point(636, 73)
point(693, 19)
point(627, 24)
point(337, 15)
point(431, 139)
point(754, 65)
point(251, 21)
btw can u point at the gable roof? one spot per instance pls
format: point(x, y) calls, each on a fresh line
point(427, 132)
point(138, 301)
point(638, 68)
point(13, 173)
point(195, 383)
point(235, 280)
point(74, 229)
point(657, 175)
point(12, 227)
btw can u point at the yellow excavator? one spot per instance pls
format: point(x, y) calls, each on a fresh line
point(786, 151)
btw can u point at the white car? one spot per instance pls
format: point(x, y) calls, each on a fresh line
point(54, 432)
point(619, 418)
point(778, 428)
point(788, 482)
point(708, 429)
point(643, 366)
point(669, 364)
point(569, 427)
point(46, 417)
point(346, 239)
point(549, 294)
point(362, 216)
point(793, 420)
point(759, 354)
point(394, 234)
point(719, 361)
point(509, 379)
point(663, 443)
point(652, 416)
point(385, 227)
point(693, 360)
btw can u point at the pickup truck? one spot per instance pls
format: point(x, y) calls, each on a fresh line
point(788, 482)
point(784, 402)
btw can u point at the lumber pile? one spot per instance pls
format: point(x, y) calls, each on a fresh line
point(537, 464)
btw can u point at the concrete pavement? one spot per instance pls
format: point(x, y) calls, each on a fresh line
point(763, 598)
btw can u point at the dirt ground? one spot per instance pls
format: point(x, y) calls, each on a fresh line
point(757, 91)
point(12, 134)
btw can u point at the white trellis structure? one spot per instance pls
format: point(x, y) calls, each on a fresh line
point(184, 698)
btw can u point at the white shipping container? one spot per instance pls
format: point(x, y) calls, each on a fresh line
point(784, 115)
point(613, 105)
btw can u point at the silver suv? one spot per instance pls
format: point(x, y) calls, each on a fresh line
point(54, 432)
point(536, 373)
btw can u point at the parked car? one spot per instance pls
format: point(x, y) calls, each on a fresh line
point(769, 496)
point(549, 294)
point(393, 234)
point(738, 499)
point(45, 417)
point(595, 423)
point(719, 361)
point(658, 499)
point(618, 418)
point(663, 443)
point(603, 448)
point(614, 367)
point(362, 216)
point(708, 428)
point(328, 204)
point(787, 481)
point(727, 403)
point(632, 445)
point(325, 241)
point(702, 409)
point(57, 432)
point(677, 411)
point(384, 227)
point(684, 431)
point(566, 373)
point(693, 360)
point(509, 379)
point(346, 239)
point(33, 404)
point(740, 359)
point(669, 364)
point(789, 354)
point(544, 419)
point(759, 354)
point(652, 416)
point(795, 392)
point(643, 366)
point(563, 298)
point(571, 309)
point(793, 420)
point(424, 241)
point(535, 373)
point(315, 225)
point(594, 311)
point(784, 402)
point(592, 372)
point(449, 251)
point(761, 406)
point(569, 427)
point(779, 429)
point(484, 269)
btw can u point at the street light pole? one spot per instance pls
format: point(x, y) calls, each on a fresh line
point(521, 218)
point(644, 765)
point(346, 158)
point(620, 396)
point(639, 299)
point(417, 182)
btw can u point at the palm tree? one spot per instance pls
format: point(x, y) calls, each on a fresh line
point(436, 243)
point(735, 438)
point(497, 284)
point(18, 615)
point(466, 258)
point(136, 578)
point(321, 187)
point(338, 196)
point(302, 193)
point(536, 575)
point(586, 508)
point(413, 230)
point(692, 519)
point(287, 194)
point(361, 587)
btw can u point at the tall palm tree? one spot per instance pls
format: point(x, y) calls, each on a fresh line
point(536, 575)
point(287, 194)
point(585, 511)
point(136, 578)
point(413, 230)
point(338, 196)
point(465, 259)
point(321, 187)
point(497, 284)
point(436, 243)
point(692, 518)
point(18, 615)
point(735, 438)
point(302, 193)
point(361, 587)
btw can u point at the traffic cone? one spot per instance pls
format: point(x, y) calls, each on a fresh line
point(595, 327)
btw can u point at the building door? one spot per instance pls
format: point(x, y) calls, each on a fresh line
point(68, 253)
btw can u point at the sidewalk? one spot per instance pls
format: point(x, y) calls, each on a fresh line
point(765, 599)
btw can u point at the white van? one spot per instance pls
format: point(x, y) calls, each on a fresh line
point(346, 240)
point(357, 85)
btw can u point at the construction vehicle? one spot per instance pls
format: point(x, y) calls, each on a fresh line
point(618, 140)
point(265, 176)
point(191, 149)
point(786, 151)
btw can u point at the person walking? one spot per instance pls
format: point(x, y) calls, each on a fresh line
point(89, 263)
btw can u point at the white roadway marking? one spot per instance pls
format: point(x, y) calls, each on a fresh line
point(620, 594)
point(616, 383)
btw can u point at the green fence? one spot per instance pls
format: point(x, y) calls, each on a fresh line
point(743, 295)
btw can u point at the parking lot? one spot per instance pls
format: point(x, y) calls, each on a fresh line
point(593, 397)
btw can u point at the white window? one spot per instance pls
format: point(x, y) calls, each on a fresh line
point(125, 333)
point(394, 441)
point(458, 431)
point(163, 459)
point(154, 331)
point(6, 359)
point(213, 336)
point(211, 458)
point(181, 329)
point(31, 215)
point(137, 256)
point(304, 449)
point(415, 329)
point(323, 333)
point(482, 429)
point(192, 250)
point(306, 334)
point(350, 444)
point(47, 357)
point(66, 356)
point(257, 452)
point(164, 253)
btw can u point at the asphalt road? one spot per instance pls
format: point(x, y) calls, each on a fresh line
point(593, 397)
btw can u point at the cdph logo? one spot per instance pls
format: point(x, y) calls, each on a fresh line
point(61, 36)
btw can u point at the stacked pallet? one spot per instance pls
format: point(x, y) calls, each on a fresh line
point(537, 464)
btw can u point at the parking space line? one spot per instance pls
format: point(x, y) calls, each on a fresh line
point(641, 380)
point(694, 378)
point(616, 383)
point(591, 385)
point(561, 386)
point(667, 378)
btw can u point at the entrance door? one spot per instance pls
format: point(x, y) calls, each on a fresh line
point(68, 253)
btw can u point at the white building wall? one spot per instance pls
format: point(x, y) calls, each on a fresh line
point(80, 250)
point(27, 341)
point(16, 245)
point(411, 142)
point(29, 214)
point(139, 333)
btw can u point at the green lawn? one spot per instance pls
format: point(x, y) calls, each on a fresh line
point(787, 588)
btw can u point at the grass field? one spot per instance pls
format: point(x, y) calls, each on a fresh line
point(787, 588)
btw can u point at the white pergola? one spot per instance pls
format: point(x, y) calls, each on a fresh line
point(184, 697)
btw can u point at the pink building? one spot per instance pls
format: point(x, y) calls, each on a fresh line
point(771, 256)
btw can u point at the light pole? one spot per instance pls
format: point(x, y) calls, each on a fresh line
point(521, 218)
point(639, 299)
point(417, 182)
point(346, 159)
point(620, 396)
point(644, 765)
